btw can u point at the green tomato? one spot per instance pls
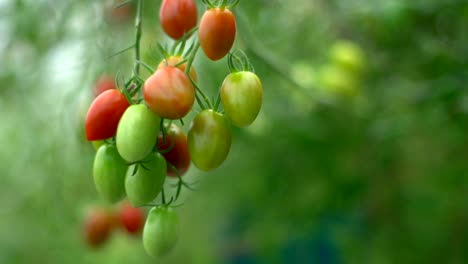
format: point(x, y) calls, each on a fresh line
point(160, 231)
point(242, 95)
point(109, 173)
point(335, 81)
point(348, 56)
point(209, 140)
point(137, 132)
point(145, 181)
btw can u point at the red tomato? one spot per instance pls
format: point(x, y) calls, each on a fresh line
point(178, 17)
point(173, 60)
point(169, 93)
point(98, 226)
point(217, 32)
point(178, 155)
point(104, 115)
point(132, 219)
point(103, 84)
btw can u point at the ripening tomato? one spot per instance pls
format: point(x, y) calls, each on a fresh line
point(241, 94)
point(132, 219)
point(160, 231)
point(137, 132)
point(209, 139)
point(175, 150)
point(104, 83)
point(178, 17)
point(104, 115)
point(145, 181)
point(98, 226)
point(217, 32)
point(173, 60)
point(169, 93)
point(109, 171)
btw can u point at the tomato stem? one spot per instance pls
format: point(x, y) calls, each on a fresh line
point(138, 26)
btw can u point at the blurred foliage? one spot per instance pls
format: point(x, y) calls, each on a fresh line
point(378, 175)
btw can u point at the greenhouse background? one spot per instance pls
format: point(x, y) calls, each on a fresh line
point(358, 160)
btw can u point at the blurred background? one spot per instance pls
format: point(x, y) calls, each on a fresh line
point(359, 155)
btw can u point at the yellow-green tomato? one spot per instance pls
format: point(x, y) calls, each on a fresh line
point(209, 139)
point(160, 231)
point(336, 81)
point(242, 95)
point(137, 132)
point(348, 55)
point(145, 181)
point(109, 173)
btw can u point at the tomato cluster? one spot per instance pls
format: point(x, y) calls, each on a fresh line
point(135, 124)
point(100, 222)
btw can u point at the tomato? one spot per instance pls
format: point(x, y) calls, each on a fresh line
point(173, 60)
point(131, 218)
point(98, 226)
point(169, 93)
point(104, 115)
point(348, 56)
point(109, 173)
point(336, 81)
point(144, 184)
point(209, 139)
point(241, 94)
point(178, 155)
point(217, 32)
point(178, 17)
point(103, 84)
point(137, 132)
point(160, 231)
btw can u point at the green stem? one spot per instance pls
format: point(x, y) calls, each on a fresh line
point(138, 26)
point(187, 71)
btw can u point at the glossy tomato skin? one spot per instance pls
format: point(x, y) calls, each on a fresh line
point(209, 139)
point(104, 114)
point(109, 171)
point(132, 219)
point(160, 231)
point(174, 148)
point(217, 32)
point(174, 60)
point(104, 83)
point(169, 93)
point(178, 17)
point(98, 226)
point(242, 95)
point(146, 183)
point(137, 132)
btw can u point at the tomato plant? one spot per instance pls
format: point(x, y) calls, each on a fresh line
point(109, 173)
point(174, 147)
point(131, 218)
point(178, 17)
point(144, 181)
point(169, 93)
point(209, 139)
point(241, 94)
point(217, 32)
point(148, 145)
point(104, 114)
point(137, 132)
point(98, 226)
point(161, 231)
